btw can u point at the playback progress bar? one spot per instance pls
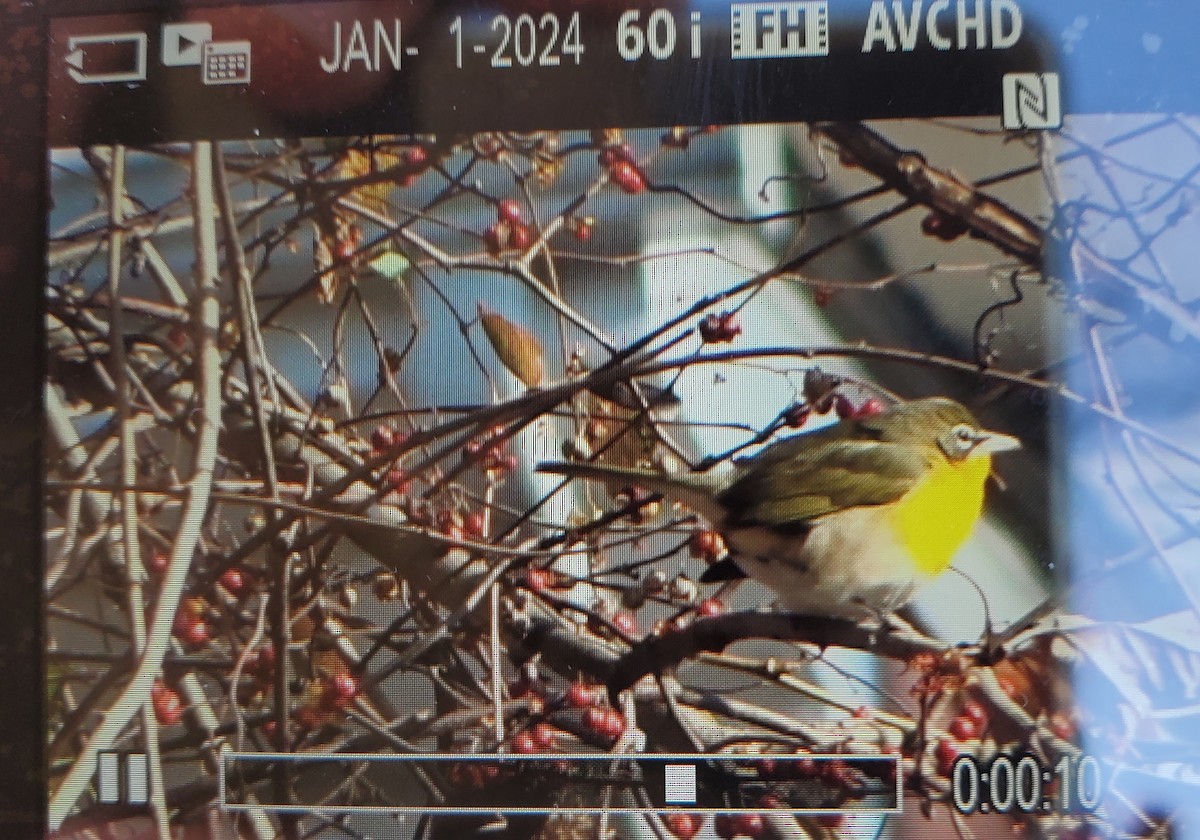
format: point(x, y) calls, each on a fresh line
point(456, 783)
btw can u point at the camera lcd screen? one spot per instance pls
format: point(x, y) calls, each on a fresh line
point(743, 419)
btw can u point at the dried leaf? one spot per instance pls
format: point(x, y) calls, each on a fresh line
point(363, 164)
point(518, 348)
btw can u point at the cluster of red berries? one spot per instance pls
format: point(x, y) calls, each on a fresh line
point(943, 227)
point(509, 231)
point(720, 327)
point(969, 725)
point(539, 738)
point(455, 525)
point(168, 707)
point(545, 580)
point(491, 452)
point(191, 622)
point(599, 719)
point(726, 826)
point(797, 415)
point(387, 440)
point(622, 170)
point(413, 161)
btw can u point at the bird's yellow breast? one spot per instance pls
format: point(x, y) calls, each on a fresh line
point(934, 519)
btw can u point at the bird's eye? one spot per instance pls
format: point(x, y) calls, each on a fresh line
point(964, 434)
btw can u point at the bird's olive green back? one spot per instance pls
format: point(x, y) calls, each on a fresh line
point(872, 461)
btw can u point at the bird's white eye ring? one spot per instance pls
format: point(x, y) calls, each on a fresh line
point(965, 433)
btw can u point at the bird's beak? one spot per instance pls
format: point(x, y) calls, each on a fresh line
point(994, 442)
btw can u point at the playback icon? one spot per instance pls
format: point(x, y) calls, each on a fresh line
point(191, 45)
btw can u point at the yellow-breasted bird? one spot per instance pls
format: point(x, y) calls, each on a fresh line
point(845, 521)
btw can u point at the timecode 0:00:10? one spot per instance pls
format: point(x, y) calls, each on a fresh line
point(1024, 784)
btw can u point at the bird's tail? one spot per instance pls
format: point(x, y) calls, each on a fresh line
point(696, 491)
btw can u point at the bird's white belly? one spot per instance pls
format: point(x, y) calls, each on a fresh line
point(851, 565)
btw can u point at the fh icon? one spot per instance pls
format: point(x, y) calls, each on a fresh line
point(1032, 100)
point(779, 30)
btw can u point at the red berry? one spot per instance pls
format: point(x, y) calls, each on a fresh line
point(797, 415)
point(614, 724)
point(705, 544)
point(195, 632)
point(539, 580)
point(581, 696)
point(723, 826)
point(510, 462)
point(474, 523)
point(496, 237)
point(509, 211)
point(628, 177)
point(396, 480)
point(766, 767)
point(544, 736)
point(710, 608)
point(869, 408)
point(683, 826)
point(626, 623)
point(976, 712)
point(964, 729)
point(416, 156)
point(168, 708)
point(612, 155)
point(234, 580)
point(178, 336)
point(383, 438)
point(445, 519)
point(583, 228)
point(595, 719)
point(264, 661)
point(523, 743)
point(748, 825)
point(719, 328)
point(945, 228)
point(159, 561)
point(421, 513)
point(308, 717)
point(947, 754)
point(344, 685)
point(473, 449)
point(521, 237)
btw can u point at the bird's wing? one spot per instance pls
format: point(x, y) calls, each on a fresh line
point(799, 480)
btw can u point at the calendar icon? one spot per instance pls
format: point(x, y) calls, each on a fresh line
point(226, 63)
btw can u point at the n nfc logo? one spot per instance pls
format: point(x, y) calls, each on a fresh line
point(779, 30)
point(1032, 100)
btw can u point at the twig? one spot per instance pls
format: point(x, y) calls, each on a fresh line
point(207, 418)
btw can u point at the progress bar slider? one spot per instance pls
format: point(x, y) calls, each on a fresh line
point(533, 784)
